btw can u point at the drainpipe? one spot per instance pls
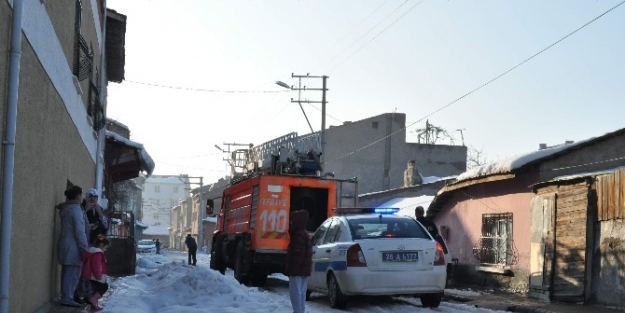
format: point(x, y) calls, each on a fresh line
point(99, 167)
point(8, 145)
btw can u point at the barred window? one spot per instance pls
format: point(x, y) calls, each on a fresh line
point(495, 245)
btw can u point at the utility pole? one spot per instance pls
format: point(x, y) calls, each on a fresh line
point(200, 231)
point(461, 134)
point(323, 102)
point(200, 226)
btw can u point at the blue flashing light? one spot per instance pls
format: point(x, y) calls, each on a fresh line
point(346, 211)
point(386, 210)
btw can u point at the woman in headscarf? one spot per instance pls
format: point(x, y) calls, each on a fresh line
point(72, 241)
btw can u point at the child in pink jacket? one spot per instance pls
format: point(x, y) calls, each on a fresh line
point(94, 269)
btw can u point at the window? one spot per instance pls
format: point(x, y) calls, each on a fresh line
point(495, 246)
point(317, 239)
point(367, 228)
point(333, 232)
point(374, 125)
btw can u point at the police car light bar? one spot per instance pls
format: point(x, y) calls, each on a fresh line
point(345, 211)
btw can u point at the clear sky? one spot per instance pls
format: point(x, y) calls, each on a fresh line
point(381, 56)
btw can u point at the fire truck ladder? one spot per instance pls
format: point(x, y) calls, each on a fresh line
point(290, 154)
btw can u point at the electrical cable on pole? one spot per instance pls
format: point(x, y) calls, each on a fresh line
point(323, 102)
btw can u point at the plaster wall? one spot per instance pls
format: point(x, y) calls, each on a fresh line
point(462, 215)
point(609, 263)
point(55, 146)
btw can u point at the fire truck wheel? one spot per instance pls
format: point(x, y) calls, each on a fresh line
point(259, 278)
point(217, 262)
point(239, 265)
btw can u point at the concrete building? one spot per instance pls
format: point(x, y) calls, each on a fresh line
point(375, 150)
point(160, 194)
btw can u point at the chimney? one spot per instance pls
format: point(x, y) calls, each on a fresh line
point(542, 146)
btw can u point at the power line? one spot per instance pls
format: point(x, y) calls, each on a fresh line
point(361, 22)
point(206, 90)
point(481, 86)
point(376, 36)
point(349, 32)
point(367, 32)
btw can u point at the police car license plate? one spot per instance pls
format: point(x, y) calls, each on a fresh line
point(400, 256)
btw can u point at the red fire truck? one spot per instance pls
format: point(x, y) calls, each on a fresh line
point(281, 176)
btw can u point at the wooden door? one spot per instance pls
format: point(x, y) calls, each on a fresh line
point(542, 244)
point(569, 268)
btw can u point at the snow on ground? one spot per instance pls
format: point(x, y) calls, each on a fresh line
point(165, 283)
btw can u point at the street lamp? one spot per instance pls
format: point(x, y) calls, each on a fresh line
point(283, 84)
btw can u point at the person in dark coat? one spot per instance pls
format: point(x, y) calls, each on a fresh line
point(298, 260)
point(419, 212)
point(94, 215)
point(192, 247)
point(72, 242)
point(430, 226)
point(157, 243)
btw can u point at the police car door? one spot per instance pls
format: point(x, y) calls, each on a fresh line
point(321, 257)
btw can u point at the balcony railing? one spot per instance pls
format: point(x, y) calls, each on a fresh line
point(95, 110)
point(83, 63)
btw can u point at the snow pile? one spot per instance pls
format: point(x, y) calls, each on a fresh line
point(176, 287)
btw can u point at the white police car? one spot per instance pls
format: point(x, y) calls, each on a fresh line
point(367, 251)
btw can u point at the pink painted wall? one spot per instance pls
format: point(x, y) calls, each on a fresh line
point(462, 215)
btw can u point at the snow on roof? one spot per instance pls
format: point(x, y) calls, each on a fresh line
point(147, 163)
point(211, 219)
point(510, 164)
point(120, 138)
point(141, 224)
point(158, 179)
point(407, 205)
point(426, 180)
point(587, 174)
point(156, 230)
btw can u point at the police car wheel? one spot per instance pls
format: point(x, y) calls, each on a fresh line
point(432, 300)
point(337, 299)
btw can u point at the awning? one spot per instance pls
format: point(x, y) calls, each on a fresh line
point(125, 159)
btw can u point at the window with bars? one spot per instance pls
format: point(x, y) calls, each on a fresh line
point(495, 245)
point(83, 55)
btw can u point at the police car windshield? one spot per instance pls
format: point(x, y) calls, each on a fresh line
point(375, 227)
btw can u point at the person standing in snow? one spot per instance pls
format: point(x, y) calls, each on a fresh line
point(298, 260)
point(192, 247)
point(72, 242)
point(94, 215)
point(95, 270)
point(157, 243)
